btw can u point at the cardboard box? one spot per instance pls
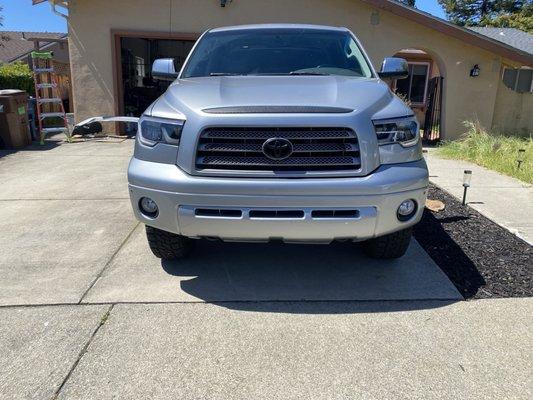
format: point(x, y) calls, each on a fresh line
point(14, 101)
point(14, 131)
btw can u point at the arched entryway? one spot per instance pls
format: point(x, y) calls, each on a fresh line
point(423, 90)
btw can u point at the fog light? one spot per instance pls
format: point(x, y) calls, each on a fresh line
point(148, 207)
point(406, 210)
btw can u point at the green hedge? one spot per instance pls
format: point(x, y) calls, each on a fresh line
point(16, 76)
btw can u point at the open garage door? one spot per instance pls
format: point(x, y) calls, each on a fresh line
point(135, 53)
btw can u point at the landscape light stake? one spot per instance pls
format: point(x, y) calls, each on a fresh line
point(467, 177)
point(521, 157)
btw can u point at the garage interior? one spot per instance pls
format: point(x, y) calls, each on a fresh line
point(137, 53)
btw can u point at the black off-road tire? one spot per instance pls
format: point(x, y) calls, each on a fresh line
point(168, 246)
point(393, 245)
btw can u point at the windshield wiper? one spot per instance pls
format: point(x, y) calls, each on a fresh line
point(272, 73)
point(225, 74)
point(289, 73)
point(307, 73)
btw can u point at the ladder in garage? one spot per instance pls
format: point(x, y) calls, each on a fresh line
point(48, 99)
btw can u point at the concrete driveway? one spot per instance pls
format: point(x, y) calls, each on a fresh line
point(88, 312)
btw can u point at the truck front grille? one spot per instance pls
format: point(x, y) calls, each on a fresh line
point(313, 149)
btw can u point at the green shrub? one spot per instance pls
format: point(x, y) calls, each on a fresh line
point(16, 76)
point(493, 151)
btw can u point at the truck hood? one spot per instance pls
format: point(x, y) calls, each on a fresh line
point(194, 95)
point(278, 101)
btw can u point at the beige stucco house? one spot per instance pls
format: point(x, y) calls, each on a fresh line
point(113, 43)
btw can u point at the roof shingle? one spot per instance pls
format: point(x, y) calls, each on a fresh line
point(511, 36)
point(15, 46)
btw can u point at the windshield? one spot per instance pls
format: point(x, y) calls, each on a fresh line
point(277, 52)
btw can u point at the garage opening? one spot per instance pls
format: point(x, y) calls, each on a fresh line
point(136, 53)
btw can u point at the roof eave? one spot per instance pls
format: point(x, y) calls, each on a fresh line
point(447, 28)
point(455, 31)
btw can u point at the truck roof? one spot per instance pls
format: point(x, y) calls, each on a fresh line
point(277, 26)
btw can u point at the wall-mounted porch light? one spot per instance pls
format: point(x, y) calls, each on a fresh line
point(521, 157)
point(475, 71)
point(467, 178)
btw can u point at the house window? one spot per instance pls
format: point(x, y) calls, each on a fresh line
point(519, 80)
point(414, 87)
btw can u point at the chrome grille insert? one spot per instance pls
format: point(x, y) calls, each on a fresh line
point(314, 149)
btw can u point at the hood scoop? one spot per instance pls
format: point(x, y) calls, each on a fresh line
point(264, 109)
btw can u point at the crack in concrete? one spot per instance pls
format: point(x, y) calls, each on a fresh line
point(101, 323)
point(108, 262)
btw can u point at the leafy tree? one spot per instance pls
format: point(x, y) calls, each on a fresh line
point(16, 75)
point(2, 37)
point(522, 20)
point(488, 12)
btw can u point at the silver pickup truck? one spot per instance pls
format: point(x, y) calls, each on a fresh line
point(278, 132)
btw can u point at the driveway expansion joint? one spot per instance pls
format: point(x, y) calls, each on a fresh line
point(222, 302)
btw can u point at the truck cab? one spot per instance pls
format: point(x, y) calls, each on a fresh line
point(278, 132)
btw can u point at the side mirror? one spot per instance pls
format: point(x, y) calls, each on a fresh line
point(163, 69)
point(394, 67)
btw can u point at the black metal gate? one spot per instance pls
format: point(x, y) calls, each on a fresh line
point(432, 123)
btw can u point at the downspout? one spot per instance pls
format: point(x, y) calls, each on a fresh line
point(53, 5)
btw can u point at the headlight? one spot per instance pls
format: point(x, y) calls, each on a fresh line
point(403, 131)
point(155, 130)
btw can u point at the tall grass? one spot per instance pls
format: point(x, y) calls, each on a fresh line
point(493, 151)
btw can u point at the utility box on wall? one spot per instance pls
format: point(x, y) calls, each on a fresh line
point(14, 127)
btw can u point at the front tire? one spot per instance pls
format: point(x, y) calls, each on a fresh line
point(393, 245)
point(168, 246)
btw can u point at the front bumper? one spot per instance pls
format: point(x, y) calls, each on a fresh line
point(365, 206)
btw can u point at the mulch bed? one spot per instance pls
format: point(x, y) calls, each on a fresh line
point(482, 259)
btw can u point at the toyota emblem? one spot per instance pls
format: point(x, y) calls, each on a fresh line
point(277, 149)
